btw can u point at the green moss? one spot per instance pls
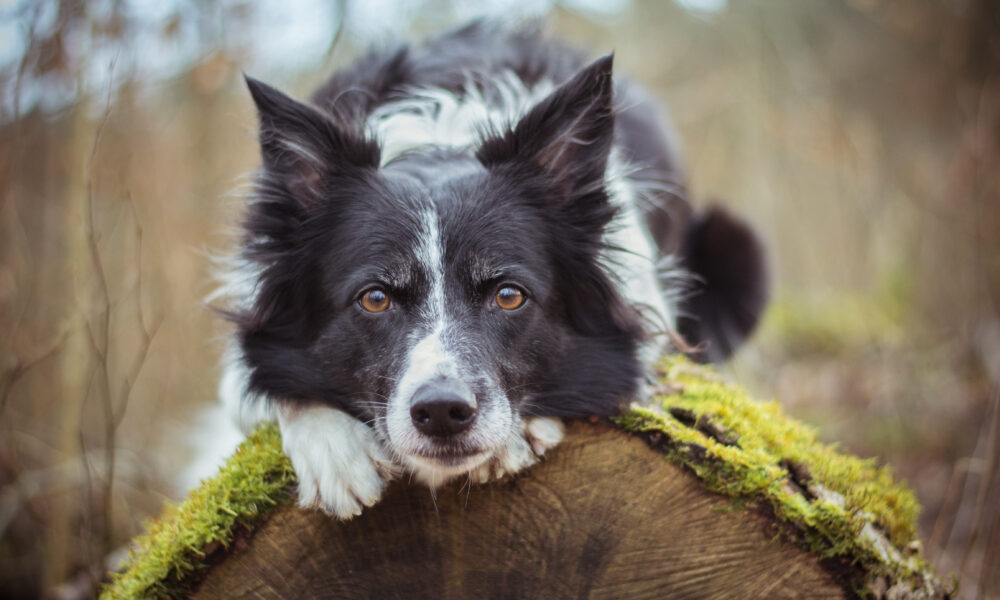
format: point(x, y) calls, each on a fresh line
point(836, 505)
point(254, 480)
point(840, 505)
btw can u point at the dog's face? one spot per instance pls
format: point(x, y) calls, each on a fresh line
point(440, 282)
point(445, 294)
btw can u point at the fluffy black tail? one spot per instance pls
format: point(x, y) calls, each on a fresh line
point(730, 287)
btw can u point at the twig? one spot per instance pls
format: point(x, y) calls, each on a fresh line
point(148, 334)
point(21, 367)
point(101, 347)
point(992, 522)
point(989, 564)
point(937, 543)
point(88, 487)
point(992, 449)
point(23, 66)
point(342, 13)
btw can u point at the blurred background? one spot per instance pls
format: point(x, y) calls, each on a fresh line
point(861, 137)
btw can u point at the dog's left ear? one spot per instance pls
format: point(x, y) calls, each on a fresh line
point(567, 135)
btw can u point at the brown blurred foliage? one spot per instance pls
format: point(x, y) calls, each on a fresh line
point(862, 137)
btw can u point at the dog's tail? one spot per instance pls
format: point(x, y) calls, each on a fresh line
point(730, 284)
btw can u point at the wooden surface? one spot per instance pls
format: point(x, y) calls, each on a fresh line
point(604, 516)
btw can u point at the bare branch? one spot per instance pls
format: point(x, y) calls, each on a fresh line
point(101, 346)
point(21, 367)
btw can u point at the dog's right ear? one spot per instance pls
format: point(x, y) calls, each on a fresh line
point(567, 135)
point(302, 148)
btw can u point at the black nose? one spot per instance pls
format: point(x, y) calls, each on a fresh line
point(441, 411)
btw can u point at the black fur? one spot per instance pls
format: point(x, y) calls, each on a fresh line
point(730, 284)
point(527, 205)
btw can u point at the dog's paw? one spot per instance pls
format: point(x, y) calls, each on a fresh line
point(538, 435)
point(543, 433)
point(340, 464)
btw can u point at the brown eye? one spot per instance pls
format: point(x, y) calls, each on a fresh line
point(509, 298)
point(374, 300)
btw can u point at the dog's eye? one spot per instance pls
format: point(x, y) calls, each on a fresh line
point(509, 297)
point(374, 300)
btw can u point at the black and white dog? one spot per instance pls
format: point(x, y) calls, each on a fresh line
point(454, 246)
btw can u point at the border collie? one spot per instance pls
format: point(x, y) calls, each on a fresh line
point(454, 246)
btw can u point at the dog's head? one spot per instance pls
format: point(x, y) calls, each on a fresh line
point(446, 294)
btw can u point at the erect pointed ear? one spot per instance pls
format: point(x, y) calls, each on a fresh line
point(568, 134)
point(302, 148)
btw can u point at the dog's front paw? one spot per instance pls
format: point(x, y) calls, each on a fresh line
point(543, 433)
point(340, 464)
point(538, 434)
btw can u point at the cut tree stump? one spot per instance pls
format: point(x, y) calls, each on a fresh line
point(707, 494)
point(604, 516)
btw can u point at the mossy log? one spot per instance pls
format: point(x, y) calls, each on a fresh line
point(704, 494)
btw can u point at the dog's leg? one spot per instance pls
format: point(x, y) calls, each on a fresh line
point(537, 435)
point(340, 464)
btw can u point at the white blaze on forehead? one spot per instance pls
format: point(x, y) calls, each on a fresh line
point(428, 358)
point(431, 255)
point(433, 354)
